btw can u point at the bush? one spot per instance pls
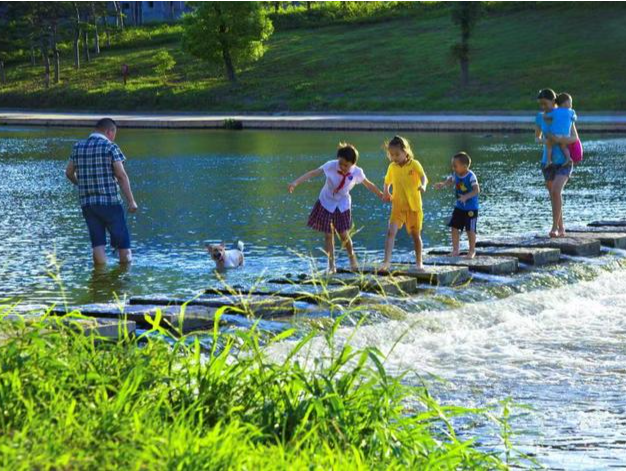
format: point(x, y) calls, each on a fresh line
point(164, 63)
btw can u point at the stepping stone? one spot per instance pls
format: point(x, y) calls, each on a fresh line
point(529, 255)
point(614, 223)
point(612, 229)
point(315, 293)
point(385, 285)
point(433, 274)
point(190, 319)
point(567, 245)
point(264, 305)
point(482, 264)
point(109, 328)
point(609, 239)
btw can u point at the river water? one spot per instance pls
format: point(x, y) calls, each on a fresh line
point(551, 338)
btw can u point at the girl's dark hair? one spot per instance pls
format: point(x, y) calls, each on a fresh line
point(463, 157)
point(401, 143)
point(546, 94)
point(347, 152)
point(562, 98)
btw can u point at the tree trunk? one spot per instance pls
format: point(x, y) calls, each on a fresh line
point(55, 51)
point(120, 15)
point(3, 77)
point(276, 6)
point(33, 59)
point(77, 38)
point(86, 45)
point(228, 63)
point(106, 31)
point(96, 44)
point(464, 59)
point(308, 6)
point(46, 61)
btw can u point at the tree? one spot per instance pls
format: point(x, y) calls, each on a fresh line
point(466, 16)
point(229, 32)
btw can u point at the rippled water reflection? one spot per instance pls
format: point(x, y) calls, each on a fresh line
point(197, 185)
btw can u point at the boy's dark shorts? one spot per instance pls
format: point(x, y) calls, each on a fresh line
point(551, 171)
point(102, 219)
point(464, 220)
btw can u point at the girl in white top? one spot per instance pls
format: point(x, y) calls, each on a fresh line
point(332, 211)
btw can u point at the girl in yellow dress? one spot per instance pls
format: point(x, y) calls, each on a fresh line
point(408, 180)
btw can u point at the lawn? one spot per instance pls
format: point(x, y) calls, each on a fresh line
point(398, 65)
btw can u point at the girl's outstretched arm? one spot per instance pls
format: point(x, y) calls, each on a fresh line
point(373, 188)
point(386, 193)
point(306, 177)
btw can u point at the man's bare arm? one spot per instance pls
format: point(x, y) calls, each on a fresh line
point(124, 182)
point(70, 172)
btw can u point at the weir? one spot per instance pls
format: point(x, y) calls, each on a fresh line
point(278, 297)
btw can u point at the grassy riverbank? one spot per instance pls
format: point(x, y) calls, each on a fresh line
point(75, 402)
point(400, 63)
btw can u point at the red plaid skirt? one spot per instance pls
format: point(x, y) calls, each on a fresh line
point(324, 221)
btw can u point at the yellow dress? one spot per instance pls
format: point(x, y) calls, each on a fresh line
point(406, 199)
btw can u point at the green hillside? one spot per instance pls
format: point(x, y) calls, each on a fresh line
point(401, 64)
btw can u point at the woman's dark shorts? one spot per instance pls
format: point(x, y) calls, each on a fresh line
point(102, 219)
point(550, 172)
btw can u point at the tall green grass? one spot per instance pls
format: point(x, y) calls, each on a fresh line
point(72, 401)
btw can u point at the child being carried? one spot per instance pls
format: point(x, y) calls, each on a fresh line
point(561, 121)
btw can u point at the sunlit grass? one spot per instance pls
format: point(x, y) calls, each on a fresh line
point(71, 401)
point(400, 64)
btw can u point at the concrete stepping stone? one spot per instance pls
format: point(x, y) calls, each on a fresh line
point(480, 263)
point(529, 255)
point(613, 223)
point(312, 293)
point(186, 320)
point(609, 239)
point(432, 274)
point(265, 305)
point(567, 245)
point(109, 328)
point(385, 285)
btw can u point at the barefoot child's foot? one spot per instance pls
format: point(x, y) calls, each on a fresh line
point(553, 233)
point(354, 264)
point(384, 266)
point(561, 233)
point(455, 253)
point(471, 254)
point(419, 267)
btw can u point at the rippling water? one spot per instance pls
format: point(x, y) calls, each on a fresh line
point(552, 338)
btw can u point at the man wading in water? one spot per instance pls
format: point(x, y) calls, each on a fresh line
point(96, 166)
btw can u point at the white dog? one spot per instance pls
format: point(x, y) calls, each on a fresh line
point(226, 258)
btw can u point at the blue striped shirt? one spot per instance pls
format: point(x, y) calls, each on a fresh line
point(93, 159)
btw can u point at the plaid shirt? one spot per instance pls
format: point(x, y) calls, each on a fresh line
point(93, 159)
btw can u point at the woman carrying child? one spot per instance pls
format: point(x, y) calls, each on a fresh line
point(556, 164)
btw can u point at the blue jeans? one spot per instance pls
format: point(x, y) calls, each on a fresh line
point(102, 219)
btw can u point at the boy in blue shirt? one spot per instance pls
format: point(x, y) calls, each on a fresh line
point(465, 214)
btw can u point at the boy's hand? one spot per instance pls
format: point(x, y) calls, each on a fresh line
point(132, 207)
point(438, 185)
point(291, 187)
point(463, 199)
